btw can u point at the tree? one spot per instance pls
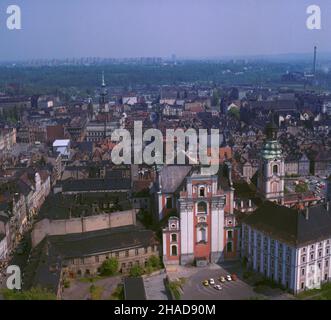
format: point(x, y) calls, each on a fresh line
point(154, 262)
point(234, 112)
point(136, 271)
point(109, 267)
point(36, 293)
point(301, 188)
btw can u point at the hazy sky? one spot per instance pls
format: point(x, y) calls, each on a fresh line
point(188, 28)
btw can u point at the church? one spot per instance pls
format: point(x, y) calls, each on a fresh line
point(205, 229)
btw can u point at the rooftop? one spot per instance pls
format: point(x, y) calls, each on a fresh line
point(292, 226)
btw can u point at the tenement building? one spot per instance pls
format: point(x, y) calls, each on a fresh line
point(82, 254)
point(289, 246)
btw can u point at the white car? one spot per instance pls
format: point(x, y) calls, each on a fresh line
point(218, 287)
point(228, 278)
point(211, 281)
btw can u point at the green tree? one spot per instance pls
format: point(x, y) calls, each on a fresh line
point(301, 188)
point(36, 293)
point(234, 112)
point(153, 263)
point(136, 271)
point(109, 267)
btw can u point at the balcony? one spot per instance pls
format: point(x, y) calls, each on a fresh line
point(208, 195)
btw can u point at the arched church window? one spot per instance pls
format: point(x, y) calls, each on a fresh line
point(202, 207)
point(174, 250)
point(202, 235)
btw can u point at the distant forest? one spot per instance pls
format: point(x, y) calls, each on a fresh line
point(47, 80)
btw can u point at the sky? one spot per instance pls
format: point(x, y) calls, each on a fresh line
point(145, 28)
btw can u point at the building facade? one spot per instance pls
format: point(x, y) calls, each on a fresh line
point(290, 247)
point(206, 229)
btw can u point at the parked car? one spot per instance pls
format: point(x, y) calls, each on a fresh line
point(218, 287)
point(205, 283)
point(222, 279)
point(211, 281)
point(228, 278)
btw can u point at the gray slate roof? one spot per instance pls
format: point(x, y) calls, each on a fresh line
point(290, 225)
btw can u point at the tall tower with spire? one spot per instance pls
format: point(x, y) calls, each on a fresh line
point(103, 92)
point(272, 166)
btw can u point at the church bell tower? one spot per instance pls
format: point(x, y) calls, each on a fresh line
point(272, 167)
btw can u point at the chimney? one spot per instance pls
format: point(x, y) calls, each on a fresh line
point(314, 65)
point(307, 213)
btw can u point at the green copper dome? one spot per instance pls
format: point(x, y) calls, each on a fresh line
point(271, 150)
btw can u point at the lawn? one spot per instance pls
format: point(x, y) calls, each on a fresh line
point(317, 294)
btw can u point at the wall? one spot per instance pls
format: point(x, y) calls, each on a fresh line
point(78, 225)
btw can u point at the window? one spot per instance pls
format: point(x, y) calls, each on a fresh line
point(229, 246)
point(202, 207)
point(202, 235)
point(202, 192)
point(145, 250)
point(230, 234)
point(302, 271)
point(275, 169)
point(96, 258)
point(117, 254)
point(174, 250)
point(126, 253)
point(169, 203)
point(174, 237)
point(82, 261)
point(326, 263)
point(302, 285)
point(136, 252)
